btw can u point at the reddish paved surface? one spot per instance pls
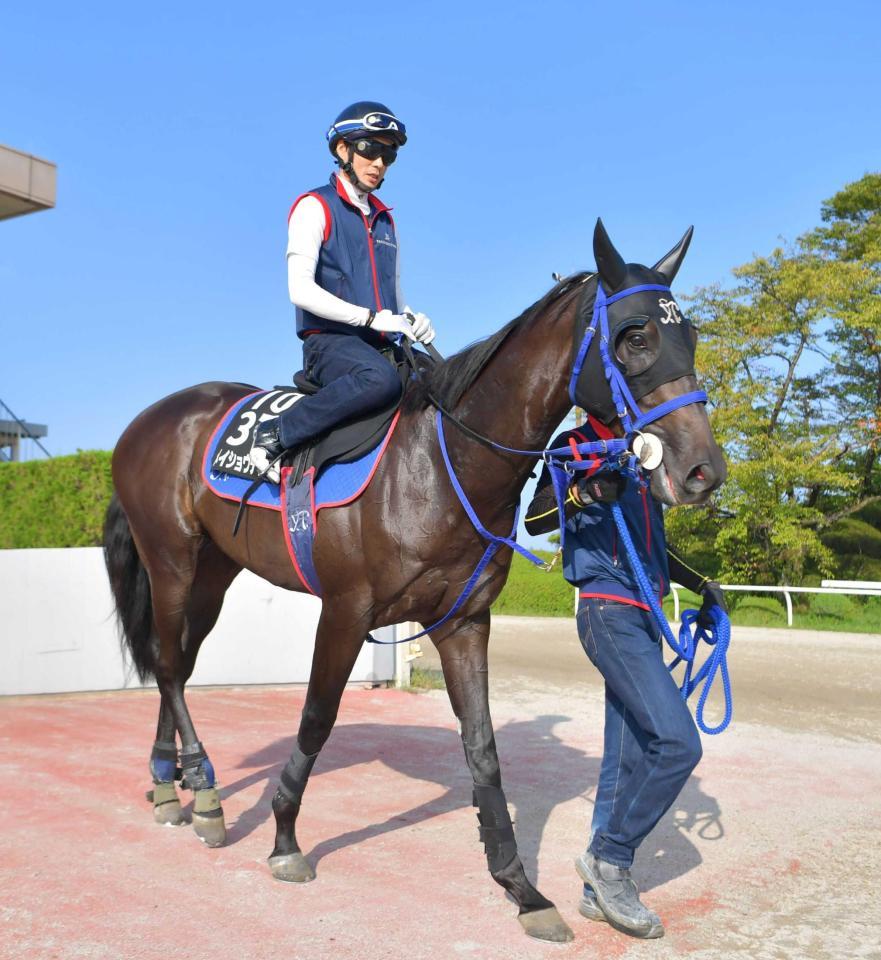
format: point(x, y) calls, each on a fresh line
point(737, 868)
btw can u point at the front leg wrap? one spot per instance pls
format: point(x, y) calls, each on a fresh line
point(295, 775)
point(496, 828)
point(500, 846)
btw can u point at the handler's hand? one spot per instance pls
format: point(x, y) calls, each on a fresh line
point(388, 322)
point(422, 326)
point(712, 594)
point(606, 486)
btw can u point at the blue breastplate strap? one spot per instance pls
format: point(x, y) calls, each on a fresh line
point(563, 464)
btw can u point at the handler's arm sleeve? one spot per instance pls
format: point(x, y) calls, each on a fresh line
point(681, 572)
point(542, 515)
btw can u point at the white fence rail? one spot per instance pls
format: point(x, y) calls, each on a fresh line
point(863, 588)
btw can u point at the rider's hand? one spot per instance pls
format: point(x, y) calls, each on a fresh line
point(712, 594)
point(387, 322)
point(606, 486)
point(422, 326)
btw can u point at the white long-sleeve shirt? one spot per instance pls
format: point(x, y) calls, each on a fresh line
point(305, 235)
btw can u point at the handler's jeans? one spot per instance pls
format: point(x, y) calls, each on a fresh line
point(651, 742)
point(355, 379)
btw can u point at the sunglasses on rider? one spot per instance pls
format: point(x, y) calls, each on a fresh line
point(372, 149)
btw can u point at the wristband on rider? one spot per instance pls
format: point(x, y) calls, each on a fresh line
point(371, 316)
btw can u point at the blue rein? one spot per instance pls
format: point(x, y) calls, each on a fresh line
point(563, 464)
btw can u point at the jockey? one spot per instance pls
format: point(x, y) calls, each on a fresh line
point(651, 743)
point(343, 278)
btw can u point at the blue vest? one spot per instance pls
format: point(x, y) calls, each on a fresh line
point(593, 557)
point(357, 261)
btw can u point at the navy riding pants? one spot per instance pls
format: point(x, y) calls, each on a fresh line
point(355, 379)
point(651, 743)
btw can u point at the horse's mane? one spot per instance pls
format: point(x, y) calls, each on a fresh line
point(448, 381)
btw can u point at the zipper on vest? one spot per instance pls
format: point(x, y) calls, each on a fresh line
point(369, 230)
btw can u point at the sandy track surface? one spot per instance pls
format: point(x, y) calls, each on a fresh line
point(772, 851)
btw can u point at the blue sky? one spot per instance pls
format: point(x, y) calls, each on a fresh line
point(183, 133)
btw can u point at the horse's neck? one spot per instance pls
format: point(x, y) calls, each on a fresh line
point(518, 400)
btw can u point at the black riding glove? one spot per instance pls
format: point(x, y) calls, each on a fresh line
point(606, 486)
point(712, 594)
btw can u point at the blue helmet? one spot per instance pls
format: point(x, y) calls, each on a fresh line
point(362, 119)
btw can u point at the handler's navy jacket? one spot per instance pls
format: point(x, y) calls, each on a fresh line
point(594, 559)
point(357, 261)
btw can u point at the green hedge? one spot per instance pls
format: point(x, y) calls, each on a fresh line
point(55, 503)
point(530, 592)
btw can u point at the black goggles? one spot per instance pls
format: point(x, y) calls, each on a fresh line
point(372, 149)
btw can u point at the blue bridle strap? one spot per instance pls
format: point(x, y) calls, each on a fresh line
point(562, 462)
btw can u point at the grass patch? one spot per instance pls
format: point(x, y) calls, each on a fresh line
point(530, 592)
point(425, 679)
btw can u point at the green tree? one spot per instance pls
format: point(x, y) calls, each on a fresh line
point(789, 355)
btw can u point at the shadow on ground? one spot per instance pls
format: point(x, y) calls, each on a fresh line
point(540, 771)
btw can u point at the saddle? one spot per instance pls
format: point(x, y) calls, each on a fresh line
point(348, 440)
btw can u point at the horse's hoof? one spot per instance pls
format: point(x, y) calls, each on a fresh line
point(169, 814)
point(208, 817)
point(546, 924)
point(211, 830)
point(166, 805)
point(292, 868)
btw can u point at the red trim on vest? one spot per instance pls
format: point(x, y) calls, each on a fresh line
point(596, 463)
point(614, 599)
point(328, 219)
point(378, 205)
point(600, 429)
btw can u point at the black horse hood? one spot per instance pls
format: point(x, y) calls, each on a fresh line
point(675, 355)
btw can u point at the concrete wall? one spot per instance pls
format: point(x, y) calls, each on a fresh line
point(58, 632)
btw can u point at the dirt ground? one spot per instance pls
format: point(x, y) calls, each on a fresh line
point(772, 850)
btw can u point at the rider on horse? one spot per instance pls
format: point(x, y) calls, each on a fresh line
point(343, 278)
point(651, 744)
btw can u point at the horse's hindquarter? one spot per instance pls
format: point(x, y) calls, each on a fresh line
point(157, 471)
point(405, 547)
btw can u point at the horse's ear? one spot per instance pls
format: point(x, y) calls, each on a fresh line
point(670, 263)
point(610, 263)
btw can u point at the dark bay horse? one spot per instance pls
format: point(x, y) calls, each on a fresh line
point(401, 552)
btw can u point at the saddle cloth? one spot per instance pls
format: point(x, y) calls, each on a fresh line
point(314, 484)
point(228, 472)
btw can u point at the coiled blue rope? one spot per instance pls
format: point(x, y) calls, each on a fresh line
point(719, 637)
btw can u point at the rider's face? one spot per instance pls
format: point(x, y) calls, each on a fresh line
point(369, 172)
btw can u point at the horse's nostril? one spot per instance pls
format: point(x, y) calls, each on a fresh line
point(700, 478)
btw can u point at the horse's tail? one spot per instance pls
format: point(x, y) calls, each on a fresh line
point(131, 590)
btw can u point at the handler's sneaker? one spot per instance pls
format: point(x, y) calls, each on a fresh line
point(616, 898)
point(588, 906)
point(266, 447)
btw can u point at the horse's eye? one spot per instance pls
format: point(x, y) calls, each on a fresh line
point(637, 341)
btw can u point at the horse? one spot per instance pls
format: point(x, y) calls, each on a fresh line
point(401, 552)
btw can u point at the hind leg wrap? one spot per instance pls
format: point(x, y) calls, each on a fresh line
point(164, 770)
point(198, 771)
point(163, 762)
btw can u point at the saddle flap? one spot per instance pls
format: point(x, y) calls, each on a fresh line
point(304, 384)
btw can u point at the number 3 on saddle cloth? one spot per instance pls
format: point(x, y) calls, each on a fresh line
point(334, 471)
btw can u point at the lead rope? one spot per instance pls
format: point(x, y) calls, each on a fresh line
point(685, 648)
